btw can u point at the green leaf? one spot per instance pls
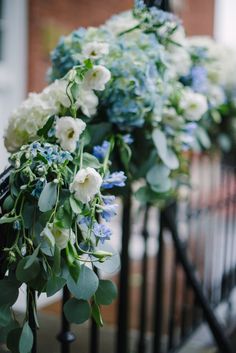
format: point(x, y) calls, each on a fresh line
point(8, 203)
point(54, 284)
point(157, 174)
point(165, 153)
point(6, 219)
point(157, 177)
point(74, 270)
point(8, 291)
point(28, 214)
point(27, 274)
point(13, 340)
point(26, 339)
point(48, 197)
point(44, 130)
point(112, 264)
point(5, 315)
point(90, 161)
point(57, 260)
point(75, 205)
point(7, 329)
point(96, 314)
point(203, 137)
point(86, 286)
point(77, 311)
point(106, 292)
point(32, 258)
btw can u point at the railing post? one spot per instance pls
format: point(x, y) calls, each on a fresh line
point(169, 220)
point(66, 337)
point(158, 291)
point(123, 301)
point(31, 302)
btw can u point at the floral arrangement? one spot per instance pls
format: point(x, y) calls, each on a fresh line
point(126, 100)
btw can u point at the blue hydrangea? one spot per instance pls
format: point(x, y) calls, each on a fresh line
point(50, 152)
point(196, 79)
point(100, 152)
point(114, 179)
point(102, 232)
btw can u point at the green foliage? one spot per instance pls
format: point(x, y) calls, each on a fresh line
point(24, 272)
point(77, 311)
point(26, 339)
point(86, 285)
point(106, 292)
point(48, 197)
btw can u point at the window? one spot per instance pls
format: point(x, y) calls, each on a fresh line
point(1, 29)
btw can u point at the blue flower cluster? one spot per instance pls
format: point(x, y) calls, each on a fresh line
point(114, 179)
point(51, 153)
point(100, 152)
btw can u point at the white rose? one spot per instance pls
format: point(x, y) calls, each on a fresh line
point(88, 102)
point(86, 184)
point(96, 78)
point(61, 236)
point(68, 131)
point(193, 104)
point(95, 50)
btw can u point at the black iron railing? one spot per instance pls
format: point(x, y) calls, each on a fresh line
point(194, 268)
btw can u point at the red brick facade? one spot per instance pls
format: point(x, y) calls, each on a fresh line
point(49, 19)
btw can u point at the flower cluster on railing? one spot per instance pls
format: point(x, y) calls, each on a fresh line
point(133, 94)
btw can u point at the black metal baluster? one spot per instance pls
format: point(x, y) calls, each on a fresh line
point(31, 302)
point(169, 219)
point(94, 331)
point(143, 297)
point(66, 337)
point(173, 294)
point(123, 302)
point(158, 291)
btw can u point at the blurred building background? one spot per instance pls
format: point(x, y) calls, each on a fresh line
point(30, 29)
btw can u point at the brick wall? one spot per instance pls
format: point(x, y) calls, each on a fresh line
point(49, 19)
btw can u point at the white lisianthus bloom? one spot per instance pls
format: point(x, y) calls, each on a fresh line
point(193, 104)
point(58, 236)
point(95, 50)
point(87, 101)
point(96, 78)
point(216, 95)
point(86, 184)
point(68, 131)
point(56, 94)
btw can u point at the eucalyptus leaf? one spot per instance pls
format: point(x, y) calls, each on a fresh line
point(106, 292)
point(26, 339)
point(8, 203)
point(5, 315)
point(32, 258)
point(27, 274)
point(54, 284)
point(75, 205)
point(48, 197)
point(8, 291)
point(13, 340)
point(96, 314)
point(77, 311)
point(90, 161)
point(112, 264)
point(165, 153)
point(27, 213)
point(86, 285)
